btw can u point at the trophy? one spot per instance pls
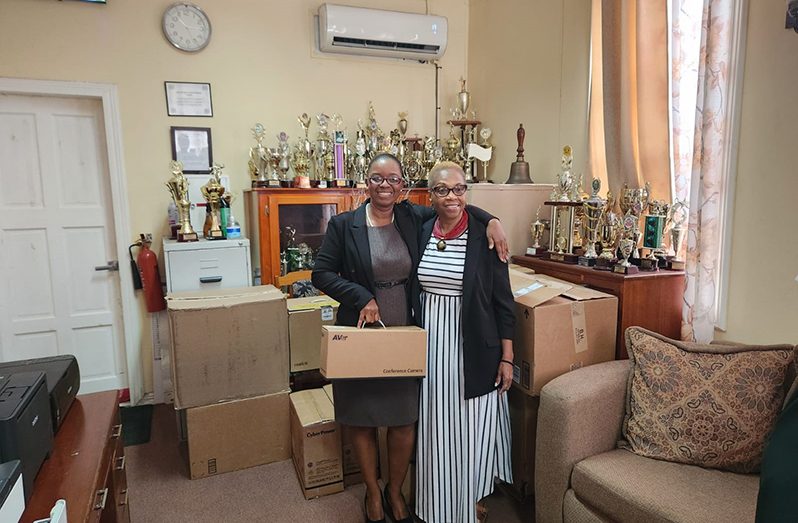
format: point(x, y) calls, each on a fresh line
point(463, 100)
point(178, 188)
point(303, 153)
point(375, 138)
point(451, 152)
point(635, 201)
point(283, 153)
point(627, 244)
point(592, 215)
point(537, 228)
point(258, 158)
point(677, 218)
point(519, 169)
point(653, 233)
point(402, 123)
point(324, 159)
point(212, 192)
point(360, 162)
point(610, 232)
point(565, 179)
point(340, 153)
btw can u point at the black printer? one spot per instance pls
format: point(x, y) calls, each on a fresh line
point(63, 380)
point(26, 431)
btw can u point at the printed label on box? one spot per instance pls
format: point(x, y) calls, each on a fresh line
point(327, 313)
point(580, 326)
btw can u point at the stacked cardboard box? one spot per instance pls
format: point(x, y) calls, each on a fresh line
point(559, 327)
point(230, 374)
point(305, 318)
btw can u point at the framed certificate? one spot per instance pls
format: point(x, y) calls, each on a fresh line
point(188, 99)
point(192, 147)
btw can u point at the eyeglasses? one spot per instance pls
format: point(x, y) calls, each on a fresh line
point(376, 179)
point(441, 191)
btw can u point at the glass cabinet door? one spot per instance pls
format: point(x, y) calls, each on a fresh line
point(302, 229)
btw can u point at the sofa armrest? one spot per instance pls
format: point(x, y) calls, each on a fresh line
point(580, 415)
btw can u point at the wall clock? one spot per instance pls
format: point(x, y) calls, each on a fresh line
point(187, 27)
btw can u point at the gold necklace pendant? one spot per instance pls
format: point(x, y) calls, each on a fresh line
point(441, 245)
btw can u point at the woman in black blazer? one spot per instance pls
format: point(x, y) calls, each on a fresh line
point(468, 310)
point(368, 264)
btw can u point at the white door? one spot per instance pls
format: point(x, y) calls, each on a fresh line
point(56, 226)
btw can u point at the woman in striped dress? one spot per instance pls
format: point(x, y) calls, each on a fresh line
point(468, 311)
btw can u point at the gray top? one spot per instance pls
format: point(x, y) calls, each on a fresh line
point(390, 261)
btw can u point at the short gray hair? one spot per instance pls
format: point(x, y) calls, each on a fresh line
point(435, 173)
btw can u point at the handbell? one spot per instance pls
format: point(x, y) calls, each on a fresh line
point(519, 169)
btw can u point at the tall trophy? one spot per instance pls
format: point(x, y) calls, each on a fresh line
point(592, 216)
point(212, 192)
point(340, 153)
point(178, 188)
point(563, 191)
point(677, 219)
point(303, 154)
point(360, 161)
point(283, 159)
point(323, 153)
point(609, 235)
point(636, 202)
point(258, 158)
point(653, 234)
point(537, 228)
point(463, 101)
point(627, 244)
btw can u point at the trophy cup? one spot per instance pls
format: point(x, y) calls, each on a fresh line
point(339, 153)
point(519, 169)
point(360, 162)
point(653, 232)
point(402, 124)
point(303, 153)
point(212, 192)
point(610, 232)
point(537, 228)
point(635, 201)
point(593, 213)
point(324, 159)
point(677, 218)
point(463, 100)
point(628, 244)
point(452, 150)
point(178, 188)
point(258, 158)
point(565, 179)
point(283, 159)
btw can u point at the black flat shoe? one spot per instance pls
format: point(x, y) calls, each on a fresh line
point(366, 510)
point(386, 506)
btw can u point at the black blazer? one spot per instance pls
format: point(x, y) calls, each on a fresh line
point(488, 308)
point(343, 266)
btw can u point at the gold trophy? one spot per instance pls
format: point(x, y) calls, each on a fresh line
point(178, 188)
point(212, 192)
point(610, 232)
point(258, 158)
point(537, 228)
point(301, 158)
point(565, 179)
point(593, 213)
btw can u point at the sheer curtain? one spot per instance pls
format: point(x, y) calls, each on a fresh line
point(702, 42)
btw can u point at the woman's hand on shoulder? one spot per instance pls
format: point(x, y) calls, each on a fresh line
point(370, 313)
point(498, 239)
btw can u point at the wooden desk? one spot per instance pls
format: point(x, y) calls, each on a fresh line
point(87, 465)
point(652, 300)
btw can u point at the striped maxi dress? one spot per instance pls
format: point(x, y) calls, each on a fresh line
point(463, 444)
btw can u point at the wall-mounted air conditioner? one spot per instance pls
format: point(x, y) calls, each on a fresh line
point(373, 32)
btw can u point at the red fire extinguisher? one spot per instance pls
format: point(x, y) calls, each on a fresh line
point(146, 268)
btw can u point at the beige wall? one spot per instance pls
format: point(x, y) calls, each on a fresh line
point(260, 66)
point(528, 62)
point(763, 295)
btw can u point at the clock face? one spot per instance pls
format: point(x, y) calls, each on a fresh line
point(186, 26)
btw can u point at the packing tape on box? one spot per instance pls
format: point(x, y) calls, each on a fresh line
point(579, 323)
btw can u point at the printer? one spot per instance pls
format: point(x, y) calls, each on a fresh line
point(26, 431)
point(63, 380)
point(12, 500)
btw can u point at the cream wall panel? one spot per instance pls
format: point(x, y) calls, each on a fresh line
point(260, 65)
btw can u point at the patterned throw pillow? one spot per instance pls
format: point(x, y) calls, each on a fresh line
point(707, 405)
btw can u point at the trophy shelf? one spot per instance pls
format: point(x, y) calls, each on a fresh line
point(272, 213)
point(652, 300)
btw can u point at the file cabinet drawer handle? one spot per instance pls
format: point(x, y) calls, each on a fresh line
point(116, 431)
point(121, 463)
point(124, 501)
point(210, 279)
point(103, 496)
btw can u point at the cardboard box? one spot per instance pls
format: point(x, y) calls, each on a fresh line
point(238, 434)
point(559, 327)
point(305, 318)
point(316, 443)
point(228, 344)
point(349, 352)
point(409, 484)
point(352, 474)
point(524, 424)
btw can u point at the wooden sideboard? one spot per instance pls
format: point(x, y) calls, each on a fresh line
point(87, 465)
point(652, 300)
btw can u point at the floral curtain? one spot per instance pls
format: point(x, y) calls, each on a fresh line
point(702, 32)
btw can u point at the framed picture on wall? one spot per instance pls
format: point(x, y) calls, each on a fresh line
point(188, 99)
point(192, 147)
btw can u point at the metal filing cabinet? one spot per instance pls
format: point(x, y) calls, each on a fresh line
point(206, 264)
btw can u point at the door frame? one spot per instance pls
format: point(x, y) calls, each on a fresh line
point(109, 99)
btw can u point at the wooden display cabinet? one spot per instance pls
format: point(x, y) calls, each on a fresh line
point(269, 211)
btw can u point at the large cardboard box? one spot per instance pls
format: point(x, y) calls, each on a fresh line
point(352, 473)
point(524, 424)
point(238, 434)
point(316, 443)
point(559, 327)
point(228, 344)
point(349, 352)
point(305, 318)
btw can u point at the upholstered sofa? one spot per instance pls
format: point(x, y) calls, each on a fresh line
point(582, 476)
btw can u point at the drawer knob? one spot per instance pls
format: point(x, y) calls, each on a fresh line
point(116, 431)
point(101, 496)
point(121, 463)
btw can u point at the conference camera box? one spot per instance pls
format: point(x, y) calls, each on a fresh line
point(238, 434)
point(316, 443)
point(559, 327)
point(228, 344)
point(373, 352)
point(305, 319)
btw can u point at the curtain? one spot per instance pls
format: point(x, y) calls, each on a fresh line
point(629, 107)
point(702, 33)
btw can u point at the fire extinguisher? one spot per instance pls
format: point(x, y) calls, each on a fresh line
point(146, 276)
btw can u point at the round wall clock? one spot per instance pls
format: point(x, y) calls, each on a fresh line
point(186, 26)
